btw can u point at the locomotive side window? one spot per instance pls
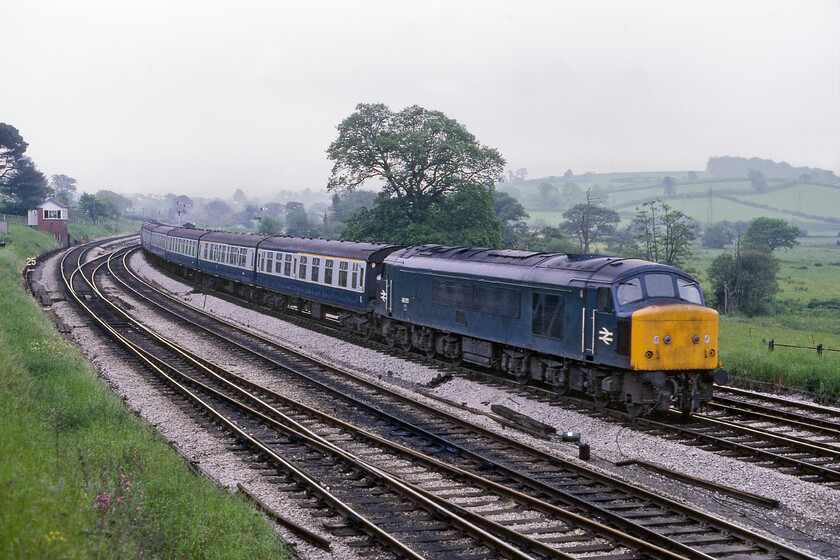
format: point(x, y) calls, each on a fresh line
point(452, 294)
point(605, 302)
point(498, 301)
point(547, 318)
point(629, 291)
point(689, 291)
point(659, 285)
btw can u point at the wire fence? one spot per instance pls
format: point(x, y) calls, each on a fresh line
point(772, 345)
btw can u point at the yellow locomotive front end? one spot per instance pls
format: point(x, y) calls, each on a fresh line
point(676, 336)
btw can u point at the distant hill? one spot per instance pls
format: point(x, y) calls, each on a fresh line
point(806, 197)
point(726, 166)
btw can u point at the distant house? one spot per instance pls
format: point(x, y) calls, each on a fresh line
point(51, 216)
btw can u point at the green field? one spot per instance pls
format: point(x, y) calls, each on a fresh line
point(80, 476)
point(806, 205)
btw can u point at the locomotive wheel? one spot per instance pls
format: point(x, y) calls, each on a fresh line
point(638, 409)
point(431, 352)
point(561, 389)
point(601, 400)
point(405, 344)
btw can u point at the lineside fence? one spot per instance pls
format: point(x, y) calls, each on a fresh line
point(772, 345)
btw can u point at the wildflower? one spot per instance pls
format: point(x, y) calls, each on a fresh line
point(56, 536)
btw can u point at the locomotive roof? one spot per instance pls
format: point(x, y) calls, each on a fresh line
point(524, 266)
point(330, 247)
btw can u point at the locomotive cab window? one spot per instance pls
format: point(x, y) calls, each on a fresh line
point(659, 285)
point(629, 291)
point(689, 291)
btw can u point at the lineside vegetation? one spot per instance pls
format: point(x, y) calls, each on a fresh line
point(80, 476)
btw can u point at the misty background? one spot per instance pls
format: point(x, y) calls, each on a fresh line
point(203, 98)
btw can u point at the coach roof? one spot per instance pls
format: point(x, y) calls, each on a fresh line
point(373, 252)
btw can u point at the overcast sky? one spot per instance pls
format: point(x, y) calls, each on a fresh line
point(204, 97)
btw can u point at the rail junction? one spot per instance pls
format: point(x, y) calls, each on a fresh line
point(392, 475)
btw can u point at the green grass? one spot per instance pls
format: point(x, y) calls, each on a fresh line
point(744, 352)
point(80, 476)
point(805, 313)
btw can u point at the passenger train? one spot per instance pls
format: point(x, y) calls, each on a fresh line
point(626, 332)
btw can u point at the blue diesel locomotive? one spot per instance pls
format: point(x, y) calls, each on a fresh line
point(624, 331)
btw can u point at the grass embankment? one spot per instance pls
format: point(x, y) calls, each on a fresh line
point(80, 476)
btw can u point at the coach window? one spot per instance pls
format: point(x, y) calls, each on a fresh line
point(287, 266)
point(342, 274)
point(547, 317)
point(269, 261)
point(659, 285)
point(277, 263)
point(354, 277)
point(629, 291)
point(328, 272)
point(302, 271)
point(262, 262)
point(316, 268)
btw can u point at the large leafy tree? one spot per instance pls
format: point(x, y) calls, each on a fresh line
point(770, 234)
point(12, 148)
point(24, 189)
point(94, 207)
point(744, 281)
point(512, 215)
point(589, 222)
point(665, 234)
point(62, 187)
point(426, 162)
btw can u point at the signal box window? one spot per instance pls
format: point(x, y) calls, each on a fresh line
point(547, 318)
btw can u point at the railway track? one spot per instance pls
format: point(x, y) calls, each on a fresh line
point(559, 485)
